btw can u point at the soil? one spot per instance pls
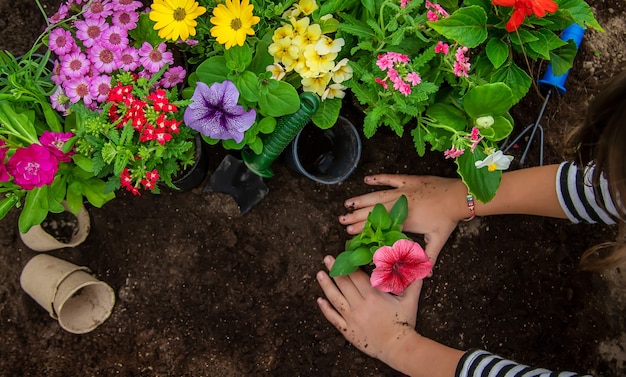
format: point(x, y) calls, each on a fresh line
point(204, 291)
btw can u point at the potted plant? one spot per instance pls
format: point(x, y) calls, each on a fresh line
point(118, 85)
point(40, 172)
point(449, 71)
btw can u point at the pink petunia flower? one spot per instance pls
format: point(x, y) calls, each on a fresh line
point(33, 166)
point(399, 265)
point(153, 59)
point(61, 41)
point(74, 65)
point(90, 30)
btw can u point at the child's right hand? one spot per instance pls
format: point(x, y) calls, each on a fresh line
point(436, 205)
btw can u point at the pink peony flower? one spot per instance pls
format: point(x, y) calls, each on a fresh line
point(33, 166)
point(399, 265)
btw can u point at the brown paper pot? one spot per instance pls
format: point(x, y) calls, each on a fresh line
point(39, 240)
point(68, 292)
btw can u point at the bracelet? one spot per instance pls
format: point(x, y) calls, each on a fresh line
point(471, 207)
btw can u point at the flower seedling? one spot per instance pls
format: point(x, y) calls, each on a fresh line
point(399, 260)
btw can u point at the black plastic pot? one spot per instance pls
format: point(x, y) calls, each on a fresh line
point(325, 156)
point(195, 175)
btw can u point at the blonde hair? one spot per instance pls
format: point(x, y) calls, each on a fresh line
point(601, 139)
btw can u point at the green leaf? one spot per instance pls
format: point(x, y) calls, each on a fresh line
point(393, 236)
point(481, 183)
point(238, 57)
point(326, 115)
point(35, 208)
point(447, 115)
point(360, 256)
point(248, 85)
point(281, 101)
point(379, 217)
point(342, 265)
point(400, 211)
point(562, 58)
point(467, 26)
point(488, 99)
point(581, 12)
point(515, 78)
point(497, 52)
point(212, 70)
point(501, 127)
point(7, 204)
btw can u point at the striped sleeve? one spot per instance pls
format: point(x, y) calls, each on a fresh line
point(578, 198)
point(479, 363)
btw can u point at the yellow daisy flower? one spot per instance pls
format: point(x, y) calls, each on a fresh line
point(175, 19)
point(232, 22)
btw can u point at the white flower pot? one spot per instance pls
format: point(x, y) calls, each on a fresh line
point(68, 292)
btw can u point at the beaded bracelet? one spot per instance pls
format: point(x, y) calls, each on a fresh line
point(471, 207)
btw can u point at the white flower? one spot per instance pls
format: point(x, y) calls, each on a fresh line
point(484, 122)
point(495, 161)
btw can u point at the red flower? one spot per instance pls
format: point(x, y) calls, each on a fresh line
point(523, 8)
point(399, 265)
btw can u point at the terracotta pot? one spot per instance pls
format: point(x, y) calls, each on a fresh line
point(39, 240)
point(68, 292)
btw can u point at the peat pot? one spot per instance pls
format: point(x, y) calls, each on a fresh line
point(69, 293)
point(325, 156)
point(38, 239)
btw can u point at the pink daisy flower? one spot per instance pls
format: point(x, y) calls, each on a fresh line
point(115, 37)
point(399, 265)
point(59, 101)
point(125, 19)
point(128, 59)
point(99, 9)
point(99, 87)
point(153, 59)
point(74, 65)
point(103, 58)
point(172, 77)
point(125, 4)
point(61, 41)
point(78, 89)
point(61, 13)
point(57, 77)
point(90, 30)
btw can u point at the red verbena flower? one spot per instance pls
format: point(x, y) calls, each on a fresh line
point(523, 8)
point(399, 265)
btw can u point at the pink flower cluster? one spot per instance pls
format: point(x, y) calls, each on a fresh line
point(403, 3)
point(462, 64)
point(397, 67)
point(399, 265)
point(95, 46)
point(37, 164)
point(475, 138)
point(151, 118)
point(435, 11)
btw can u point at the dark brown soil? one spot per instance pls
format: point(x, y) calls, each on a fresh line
point(204, 291)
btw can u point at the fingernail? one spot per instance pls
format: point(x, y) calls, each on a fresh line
point(342, 219)
point(367, 179)
point(349, 228)
point(327, 259)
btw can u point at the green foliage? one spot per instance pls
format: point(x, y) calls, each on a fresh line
point(382, 228)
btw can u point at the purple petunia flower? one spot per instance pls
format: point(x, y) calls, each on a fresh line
point(103, 58)
point(33, 166)
point(153, 59)
point(172, 77)
point(61, 41)
point(215, 113)
point(90, 30)
point(74, 65)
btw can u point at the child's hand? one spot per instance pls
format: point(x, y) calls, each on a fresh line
point(436, 205)
point(377, 323)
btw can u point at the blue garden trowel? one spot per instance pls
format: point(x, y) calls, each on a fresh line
point(547, 84)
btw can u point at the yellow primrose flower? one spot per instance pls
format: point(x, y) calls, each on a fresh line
point(300, 26)
point(299, 65)
point(307, 6)
point(292, 12)
point(318, 62)
point(175, 19)
point(316, 84)
point(277, 70)
point(326, 44)
point(342, 71)
point(334, 91)
point(310, 37)
point(283, 51)
point(285, 31)
point(233, 22)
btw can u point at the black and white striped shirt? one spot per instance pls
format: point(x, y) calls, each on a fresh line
point(578, 198)
point(479, 363)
